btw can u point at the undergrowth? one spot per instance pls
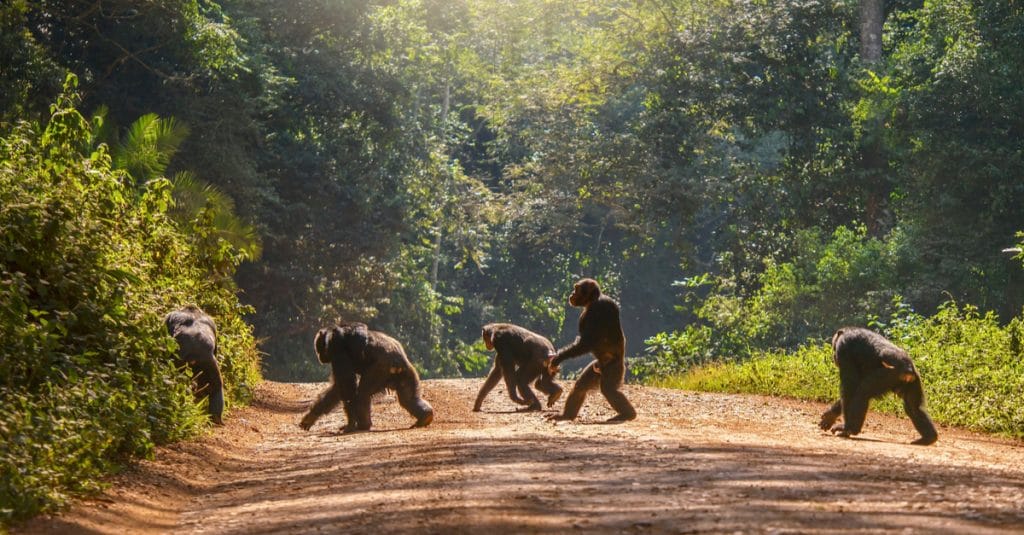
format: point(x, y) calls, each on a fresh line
point(971, 366)
point(89, 265)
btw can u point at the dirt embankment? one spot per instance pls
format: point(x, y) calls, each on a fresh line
point(690, 463)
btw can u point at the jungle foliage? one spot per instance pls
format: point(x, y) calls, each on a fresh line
point(733, 171)
point(90, 262)
point(971, 366)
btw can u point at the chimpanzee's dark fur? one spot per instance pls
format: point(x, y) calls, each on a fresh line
point(196, 335)
point(365, 363)
point(869, 367)
point(521, 357)
point(601, 335)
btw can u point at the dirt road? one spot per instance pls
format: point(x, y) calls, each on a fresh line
point(690, 463)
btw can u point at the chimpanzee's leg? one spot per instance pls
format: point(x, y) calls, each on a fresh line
point(524, 376)
point(408, 390)
point(855, 408)
point(588, 381)
point(613, 374)
point(545, 379)
point(489, 384)
point(207, 375)
point(545, 383)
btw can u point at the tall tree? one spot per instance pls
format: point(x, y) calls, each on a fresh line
point(872, 16)
point(873, 154)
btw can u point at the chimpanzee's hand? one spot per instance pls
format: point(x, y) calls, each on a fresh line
point(552, 367)
point(840, 431)
point(827, 420)
point(307, 422)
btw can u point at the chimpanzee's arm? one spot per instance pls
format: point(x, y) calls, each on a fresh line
point(595, 323)
point(325, 403)
point(508, 372)
point(829, 417)
point(580, 346)
point(913, 403)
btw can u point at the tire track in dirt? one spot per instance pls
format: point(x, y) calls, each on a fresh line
point(691, 463)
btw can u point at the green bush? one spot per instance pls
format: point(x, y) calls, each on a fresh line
point(807, 374)
point(837, 279)
point(972, 369)
point(89, 265)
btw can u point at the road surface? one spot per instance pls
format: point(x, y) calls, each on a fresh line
point(691, 463)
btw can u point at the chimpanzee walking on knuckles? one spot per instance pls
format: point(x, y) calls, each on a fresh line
point(869, 367)
point(364, 363)
point(601, 335)
point(521, 357)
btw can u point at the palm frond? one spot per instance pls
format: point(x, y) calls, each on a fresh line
point(148, 146)
point(102, 127)
point(192, 195)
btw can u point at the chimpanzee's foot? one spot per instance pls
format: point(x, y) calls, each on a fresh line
point(553, 398)
point(425, 420)
point(532, 408)
point(925, 441)
point(840, 431)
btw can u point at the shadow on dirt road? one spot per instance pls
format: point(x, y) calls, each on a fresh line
point(690, 463)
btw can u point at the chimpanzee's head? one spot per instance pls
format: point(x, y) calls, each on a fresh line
point(909, 374)
point(585, 291)
point(341, 341)
point(487, 333)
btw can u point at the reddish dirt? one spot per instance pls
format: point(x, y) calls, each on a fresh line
point(690, 463)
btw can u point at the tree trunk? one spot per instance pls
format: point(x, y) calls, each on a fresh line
point(872, 15)
point(447, 101)
point(437, 259)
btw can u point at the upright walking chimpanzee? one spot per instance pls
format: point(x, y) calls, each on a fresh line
point(521, 357)
point(196, 335)
point(379, 362)
point(601, 335)
point(869, 367)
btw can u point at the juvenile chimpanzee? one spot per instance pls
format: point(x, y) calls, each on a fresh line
point(521, 357)
point(869, 367)
point(196, 335)
point(379, 362)
point(601, 335)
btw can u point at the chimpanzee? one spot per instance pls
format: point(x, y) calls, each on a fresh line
point(196, 335)
point(379, 362)
point(521, 357)
point(869, 367)
point(601, 335)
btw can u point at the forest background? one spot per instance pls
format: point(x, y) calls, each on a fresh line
point(743, 176)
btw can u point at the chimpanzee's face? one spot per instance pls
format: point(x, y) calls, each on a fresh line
point(907, 372)
point(488, 341)
point(584, 293)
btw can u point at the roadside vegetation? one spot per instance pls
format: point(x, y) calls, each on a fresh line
point(92, 260)
point(971, 365)
point(743, 176)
